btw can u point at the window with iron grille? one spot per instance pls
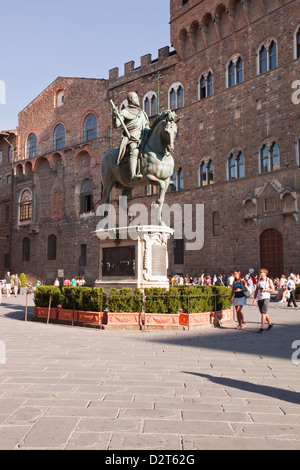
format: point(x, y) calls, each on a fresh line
point(25, 206)
point(86, 197)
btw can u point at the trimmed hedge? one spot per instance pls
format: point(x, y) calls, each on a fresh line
point(86, 298)
point(124, 300)
point(157, 300)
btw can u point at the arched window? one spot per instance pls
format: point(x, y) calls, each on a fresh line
point(150, 104)
point(235, 71)
point(51, 248)
point(180, 179)
point(26, 249)
point(90, 128)
point(176, 96)
point(206, 85)
point(59, 136)
point(206, 173)
point(59, 101)
point(236, 166)
point(86, 197)
point(267, 57)
point(25, 206)
point(269, 158)
point(31, 147)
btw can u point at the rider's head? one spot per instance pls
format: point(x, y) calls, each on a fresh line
point(133, 98)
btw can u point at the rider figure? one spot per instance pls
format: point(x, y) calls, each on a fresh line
point(136, 121)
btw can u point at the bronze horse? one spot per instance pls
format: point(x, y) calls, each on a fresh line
point(156, 162)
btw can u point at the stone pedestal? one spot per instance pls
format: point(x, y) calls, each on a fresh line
point(134, 256)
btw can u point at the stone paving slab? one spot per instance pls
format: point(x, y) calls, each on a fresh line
point(83, 388)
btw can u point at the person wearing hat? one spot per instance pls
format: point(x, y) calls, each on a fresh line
point(291, 284)
point(137, 123)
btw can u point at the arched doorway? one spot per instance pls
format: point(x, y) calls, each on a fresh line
point(271, 252)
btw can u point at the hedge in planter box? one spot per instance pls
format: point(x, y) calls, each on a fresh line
point(86, 298)
point(125, 300)
point(42, 296)
point(156, 300)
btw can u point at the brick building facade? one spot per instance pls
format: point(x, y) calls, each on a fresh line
point(233, 79)
point(7, 149)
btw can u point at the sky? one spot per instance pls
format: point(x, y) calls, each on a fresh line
point(44, 39)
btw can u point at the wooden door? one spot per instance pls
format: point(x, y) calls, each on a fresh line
point(271, 252)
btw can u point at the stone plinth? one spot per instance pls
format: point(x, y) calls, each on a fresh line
point(133, 256)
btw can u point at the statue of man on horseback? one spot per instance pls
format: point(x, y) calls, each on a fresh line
point(135, 123)
point(144, 155)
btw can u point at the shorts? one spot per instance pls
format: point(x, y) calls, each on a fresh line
point(263, 305)
point(239, 301)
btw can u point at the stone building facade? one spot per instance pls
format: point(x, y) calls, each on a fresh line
point(7, 149)
point(233, 78)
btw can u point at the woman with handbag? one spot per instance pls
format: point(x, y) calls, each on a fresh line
point(238, 297)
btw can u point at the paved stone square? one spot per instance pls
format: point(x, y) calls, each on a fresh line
point(209, 388)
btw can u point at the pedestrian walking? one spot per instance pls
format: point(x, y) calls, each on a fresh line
point(262, 294)
point(17, 284)
point(238, 298)
point(291, 285)
point(8, 283)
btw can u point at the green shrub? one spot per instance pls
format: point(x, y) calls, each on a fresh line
point(156, 300)
point(173, 300)
point(42, 296)
point(23, 280)
point(124, 300)
point(86, 298)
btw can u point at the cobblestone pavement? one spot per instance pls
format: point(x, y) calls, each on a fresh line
point(210, 388)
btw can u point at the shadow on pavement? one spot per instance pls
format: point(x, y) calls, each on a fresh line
point(273, 392)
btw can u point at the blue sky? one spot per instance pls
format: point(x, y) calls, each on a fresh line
point(42, 40)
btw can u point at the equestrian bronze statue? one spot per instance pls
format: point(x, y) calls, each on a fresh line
point(144, 155)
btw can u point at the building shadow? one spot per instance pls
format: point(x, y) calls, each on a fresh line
point(266, 390)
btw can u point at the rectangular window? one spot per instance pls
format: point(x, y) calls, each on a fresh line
point(7, 214)
point(1, 158)
point(269, 204)
point(6, 261)
point(178, 251)
point(82, 259)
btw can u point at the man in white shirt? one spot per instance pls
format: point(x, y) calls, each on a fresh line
point(263, 293)
point(291, 284)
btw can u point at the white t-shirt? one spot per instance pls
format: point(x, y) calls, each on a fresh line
point(264, 285)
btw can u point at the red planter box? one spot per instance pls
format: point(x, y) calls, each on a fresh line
point(162, 319)
point(120, 318)
point(42, 312)
point(195, 319)
point(93, 318)
point(66, 314)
